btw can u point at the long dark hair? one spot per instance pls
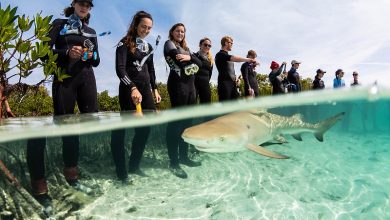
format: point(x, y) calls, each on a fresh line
point(183, 43)
point(68, 11)
point(131, 35)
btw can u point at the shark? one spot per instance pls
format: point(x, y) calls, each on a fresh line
point(248, 130)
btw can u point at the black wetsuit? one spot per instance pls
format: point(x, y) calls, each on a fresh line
point(145, 81)
point(276, 81)
point(202, 79)
point(250, 81)
point(80, 88)
point(227, 89)
point(294, 78)
point(318, 83)
point(181, 91)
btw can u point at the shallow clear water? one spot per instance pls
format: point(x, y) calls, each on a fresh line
point(345, 177)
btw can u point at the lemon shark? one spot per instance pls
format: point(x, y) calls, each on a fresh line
point(249, 129)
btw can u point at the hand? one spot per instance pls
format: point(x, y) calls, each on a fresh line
point(75, 52)
point(136, 96)
point(251, 92)
point(183, 58)
point(157, 96)
point(90, 54)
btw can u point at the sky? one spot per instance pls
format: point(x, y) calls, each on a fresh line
point(330, 34)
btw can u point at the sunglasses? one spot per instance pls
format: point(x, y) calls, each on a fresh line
point(207, 45)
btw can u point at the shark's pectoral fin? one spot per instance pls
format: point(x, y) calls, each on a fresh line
point(279, 138)
point(261, 150)
point(297, 137)
point(319, 136)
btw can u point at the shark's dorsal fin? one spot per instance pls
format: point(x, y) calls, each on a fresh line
point(297, 137)
point(261, 150)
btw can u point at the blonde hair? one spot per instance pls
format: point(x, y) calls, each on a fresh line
point(209, 54)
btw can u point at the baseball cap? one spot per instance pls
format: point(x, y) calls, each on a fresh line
point(88, 1)
point(295, 62)
point(320, 71)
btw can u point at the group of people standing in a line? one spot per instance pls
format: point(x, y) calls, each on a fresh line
point(284, 82)
point(189, 77)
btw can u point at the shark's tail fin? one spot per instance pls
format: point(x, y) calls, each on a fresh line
point(326, 125)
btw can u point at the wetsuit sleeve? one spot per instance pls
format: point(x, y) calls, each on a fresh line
point(53, 34)
point(152, 72)
point(195, 60)
point(92, 61)
point(171, 51)
point(245, 73)
point(280, 70)
point(120, 65)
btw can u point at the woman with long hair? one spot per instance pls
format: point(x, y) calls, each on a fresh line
point(203, 76)
point(75, 43)
point(137, 81)
point(183, 65)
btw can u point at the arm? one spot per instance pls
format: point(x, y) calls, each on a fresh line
point(120, 65)
point(57, 25)
point(152, 73)
point(241, 59)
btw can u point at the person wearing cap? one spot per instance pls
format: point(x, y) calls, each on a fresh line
point(251, 86)
point(293, 77)
point(355, 81)
point(276, 77)
point(227, 80)
point(318, 83)
point(68, 38)
point(338, 82)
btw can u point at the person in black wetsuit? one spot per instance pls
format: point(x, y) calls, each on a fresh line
point(276, 78)
point(227, 80)
point(67, 40)
point(203, 76)
point(318, 83)
point(251, 86)
point(136, 86)
point(293, 77)
point(181, 89)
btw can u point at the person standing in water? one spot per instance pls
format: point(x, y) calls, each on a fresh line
point(183, 65)
point(227, 80)
point(251, 86)
point(318, 83)
point(136, 86)
point(69, 38)
point(355, 81)
point(203, 76)
point(276, 77)
point(338, 81)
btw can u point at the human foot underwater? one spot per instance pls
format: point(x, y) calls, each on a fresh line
point(249, 129)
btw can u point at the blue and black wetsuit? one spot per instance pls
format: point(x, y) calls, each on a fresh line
point(202, 78)
point(145, 81)
point(80, 87)
point(227, 88)
point(182, 92)
point(250, 81)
